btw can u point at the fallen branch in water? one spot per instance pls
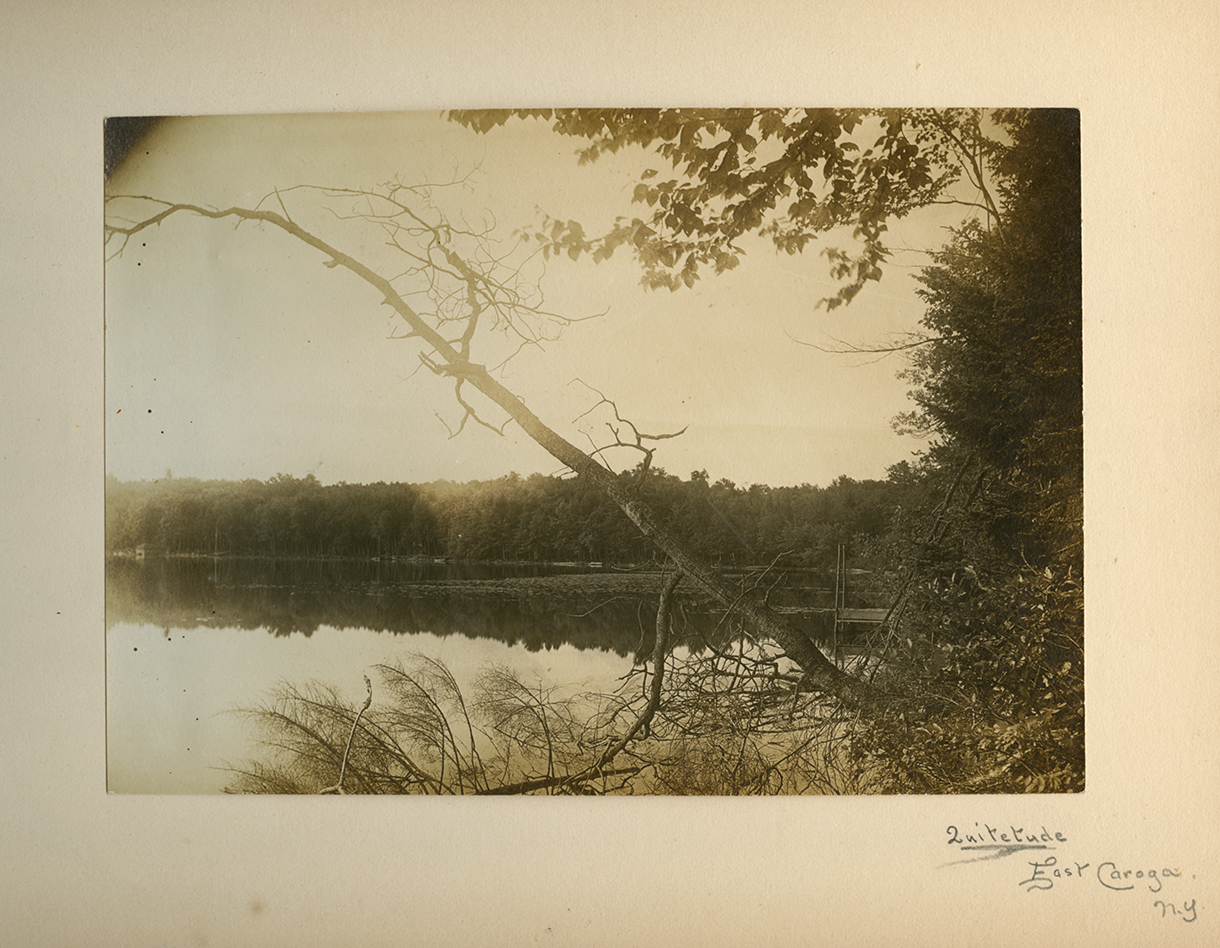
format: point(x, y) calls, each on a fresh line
point(659, 652)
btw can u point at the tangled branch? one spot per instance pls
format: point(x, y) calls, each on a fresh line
point(639, 437)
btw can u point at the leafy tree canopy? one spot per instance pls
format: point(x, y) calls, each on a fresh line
point(788, 175)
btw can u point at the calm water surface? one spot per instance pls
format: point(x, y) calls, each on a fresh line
point(188, 641)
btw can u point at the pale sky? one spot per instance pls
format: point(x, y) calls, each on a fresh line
point(232, 353)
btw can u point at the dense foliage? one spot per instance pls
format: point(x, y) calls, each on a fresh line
point(992, 557)
point(539, 518)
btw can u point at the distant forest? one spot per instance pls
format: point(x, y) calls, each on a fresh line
point(537, 518)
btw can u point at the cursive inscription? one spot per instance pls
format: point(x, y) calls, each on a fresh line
point(1120, 880)
point(982, 841)
point(979, 842)
point(986, 835)
point(1047, 873)
point(1187, 914)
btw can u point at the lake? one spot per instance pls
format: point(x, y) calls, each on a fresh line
point(190, 641)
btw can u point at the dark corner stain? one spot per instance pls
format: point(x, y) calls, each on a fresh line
point(122, 134)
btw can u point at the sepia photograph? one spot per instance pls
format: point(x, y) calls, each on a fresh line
point(596, 474)
point(618, 451)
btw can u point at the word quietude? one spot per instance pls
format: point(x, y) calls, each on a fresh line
point(989, 835)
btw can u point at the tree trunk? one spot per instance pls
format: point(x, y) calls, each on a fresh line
point(822, 673)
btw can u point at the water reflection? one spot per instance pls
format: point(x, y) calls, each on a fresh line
point(539, 607)
point(185, 642)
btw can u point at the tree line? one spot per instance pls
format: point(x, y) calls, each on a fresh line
point(538, 518)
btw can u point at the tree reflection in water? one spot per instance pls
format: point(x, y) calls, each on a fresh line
point(540, 607)
point(731, 720)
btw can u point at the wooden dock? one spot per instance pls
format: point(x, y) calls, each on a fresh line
point(850, 615)
point(871, 616)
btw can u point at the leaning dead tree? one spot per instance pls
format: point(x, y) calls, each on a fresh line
point(470, 290)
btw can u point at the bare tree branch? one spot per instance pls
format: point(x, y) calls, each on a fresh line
point(451, 360)
point(338, 787)
point(847, 348)
point(640, 437)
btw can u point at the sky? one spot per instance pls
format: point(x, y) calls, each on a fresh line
point(232, 353)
